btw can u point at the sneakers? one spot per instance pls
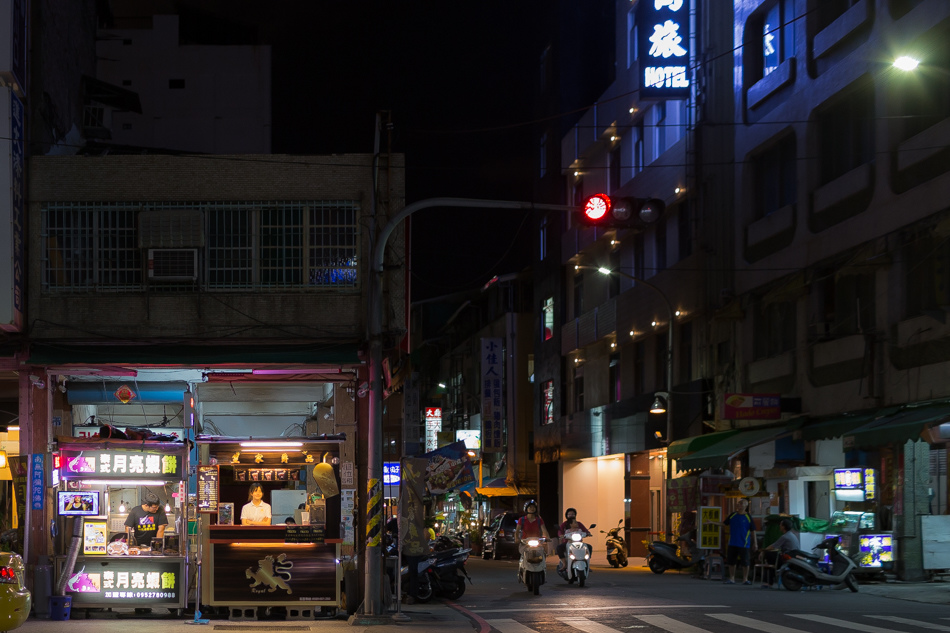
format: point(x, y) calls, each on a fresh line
point(748, 582)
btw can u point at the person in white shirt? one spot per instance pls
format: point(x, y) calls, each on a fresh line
point(255, 511)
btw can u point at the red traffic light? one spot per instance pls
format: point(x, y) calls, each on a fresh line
point(597, 207)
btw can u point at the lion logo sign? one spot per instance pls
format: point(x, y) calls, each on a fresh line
point(270, 575)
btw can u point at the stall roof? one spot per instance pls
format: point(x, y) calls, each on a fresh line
point(498, 488)
point(841, 424)
point(192, 355)
point(689, 445)
point(906, 424)
point(717, 455)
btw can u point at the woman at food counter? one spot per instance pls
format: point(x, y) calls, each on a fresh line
point(255, 511)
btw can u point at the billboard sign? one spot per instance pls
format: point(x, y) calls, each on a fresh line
point(752, 406)
point(663, 35)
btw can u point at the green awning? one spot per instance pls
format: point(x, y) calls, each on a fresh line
point(719, 454)
point(690, 445)
point(840, 424)
point(906, 424)
point(190, 355)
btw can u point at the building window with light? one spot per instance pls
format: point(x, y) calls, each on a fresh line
point(778, 34)
point(547, 318)
point(776, 177)
point(547, 402)
point(543, 236)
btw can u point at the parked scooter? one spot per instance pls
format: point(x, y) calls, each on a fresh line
point(446, 574)
point(616, 547)
point(662, 555)
point(801, 568)
point(532, 564)
point(577, 553)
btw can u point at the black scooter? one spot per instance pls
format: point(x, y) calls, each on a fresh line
point(446, 573)
point(662, 556)
point(616, 547)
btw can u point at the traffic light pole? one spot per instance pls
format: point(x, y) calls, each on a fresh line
point(373, 609)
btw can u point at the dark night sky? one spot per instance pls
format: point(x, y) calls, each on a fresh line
point(449, 73)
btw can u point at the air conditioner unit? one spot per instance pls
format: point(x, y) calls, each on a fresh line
point(173, 264)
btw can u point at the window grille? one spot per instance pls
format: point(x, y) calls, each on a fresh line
point(94, 247)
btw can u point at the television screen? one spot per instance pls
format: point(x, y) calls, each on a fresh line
point(74, 503)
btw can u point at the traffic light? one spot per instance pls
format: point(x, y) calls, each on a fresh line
point(620, 213)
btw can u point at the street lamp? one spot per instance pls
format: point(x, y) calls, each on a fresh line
point(658, 405)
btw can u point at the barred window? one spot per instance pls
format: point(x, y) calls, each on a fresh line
point(248, 245)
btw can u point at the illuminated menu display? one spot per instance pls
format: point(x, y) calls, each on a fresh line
point(875, 550)
point(209, 479)
point(849, 478)
point(119, 465)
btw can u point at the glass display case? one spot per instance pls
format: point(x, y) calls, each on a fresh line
point(850, 522)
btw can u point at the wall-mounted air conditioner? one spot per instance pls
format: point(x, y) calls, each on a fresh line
point(172, 264)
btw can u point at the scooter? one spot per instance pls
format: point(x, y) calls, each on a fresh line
point(578, 558)
point(532, 564)
point(447, 573)
point(801, 568)
point(616, 548)
point(662, 555)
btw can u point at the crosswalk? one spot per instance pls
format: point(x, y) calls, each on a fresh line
point(716, 622)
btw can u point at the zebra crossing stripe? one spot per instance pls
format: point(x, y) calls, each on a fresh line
point(758, 625)
point(588, 626)
point(669, 624)
point(845, 624)
point(374, 516)
point(509, 626)
point(899, 620)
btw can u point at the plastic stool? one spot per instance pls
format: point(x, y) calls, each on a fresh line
point(713, 567)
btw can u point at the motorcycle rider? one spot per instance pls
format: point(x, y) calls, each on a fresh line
point(530, 525)
point(570, 524)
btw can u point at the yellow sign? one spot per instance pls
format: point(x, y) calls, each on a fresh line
point(710, 534)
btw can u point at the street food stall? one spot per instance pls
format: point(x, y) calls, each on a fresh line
point(100, 487)
point(287, 552)
point(873, 549)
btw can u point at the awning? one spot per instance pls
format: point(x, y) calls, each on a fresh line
point(906, 424)
point(190, 355)
point(719, 454)
point(498, 488)
point(840, 424)
point(690, 445)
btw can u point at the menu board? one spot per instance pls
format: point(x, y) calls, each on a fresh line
point(303, 534)
point(209, 480)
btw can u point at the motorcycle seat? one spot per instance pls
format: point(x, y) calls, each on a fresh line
point(797, 553)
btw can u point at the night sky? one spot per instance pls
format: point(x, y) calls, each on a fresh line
point(459, 80)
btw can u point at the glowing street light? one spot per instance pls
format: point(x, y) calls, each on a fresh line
point(906, 62)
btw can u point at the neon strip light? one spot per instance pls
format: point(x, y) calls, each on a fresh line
point(274, 444)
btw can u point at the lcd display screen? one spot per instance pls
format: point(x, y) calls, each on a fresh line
point(72, 503)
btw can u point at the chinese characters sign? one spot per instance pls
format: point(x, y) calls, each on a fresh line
point(492, 372)
point(875, 550)
point(120, 465)
point(848, 479)
point(126, 581)
point(37, 468)
point(209, 479)
point(752, 406)
point(710, 536)
point(433, 426)
point(663, 34)
point(391, 473)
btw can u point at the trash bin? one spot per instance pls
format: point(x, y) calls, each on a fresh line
point(59, 607)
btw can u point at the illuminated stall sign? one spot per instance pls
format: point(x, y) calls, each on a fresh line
point(663, 34)
point(391, 473)
point(870, 484)
point(875, 550)
point(119, 465)
point(849, 479)
point(433, 426)
point(126, 581)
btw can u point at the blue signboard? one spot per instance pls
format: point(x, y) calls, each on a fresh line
point(849, 479)
point(37, 481)
point(391, 473)
point(663, 35)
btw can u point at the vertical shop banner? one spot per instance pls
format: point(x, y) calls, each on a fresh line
point(412, 524)
point(37, 481)
point(710, 535)
point(682, 494)
point(433, 426)
point(449, 468)
point(492, 372)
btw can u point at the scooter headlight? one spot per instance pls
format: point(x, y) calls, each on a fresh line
point(571, 556)
point(586, 556)
point(534, 543)
point(575, 537)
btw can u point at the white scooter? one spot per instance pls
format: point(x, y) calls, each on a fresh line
point(578, 557)
point(532, 564)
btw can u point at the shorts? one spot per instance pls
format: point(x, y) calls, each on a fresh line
point(736, 555)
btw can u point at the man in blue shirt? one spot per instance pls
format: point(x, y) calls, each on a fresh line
point(741, 541)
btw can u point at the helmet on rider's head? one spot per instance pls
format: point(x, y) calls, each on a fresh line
point(568, 511)
point(529, 503)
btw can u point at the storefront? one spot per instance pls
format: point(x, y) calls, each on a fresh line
point(293, 560)
point(103, 487)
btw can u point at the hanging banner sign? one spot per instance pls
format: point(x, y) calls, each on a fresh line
point(119, 465)
point(492, 374)
point(433, 426)
point(663, 35)
point(37, 469)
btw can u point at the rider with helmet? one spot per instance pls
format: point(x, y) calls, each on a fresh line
point(531, 525)
point(571, 524)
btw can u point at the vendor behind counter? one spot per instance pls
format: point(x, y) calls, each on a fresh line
point(146, 521)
